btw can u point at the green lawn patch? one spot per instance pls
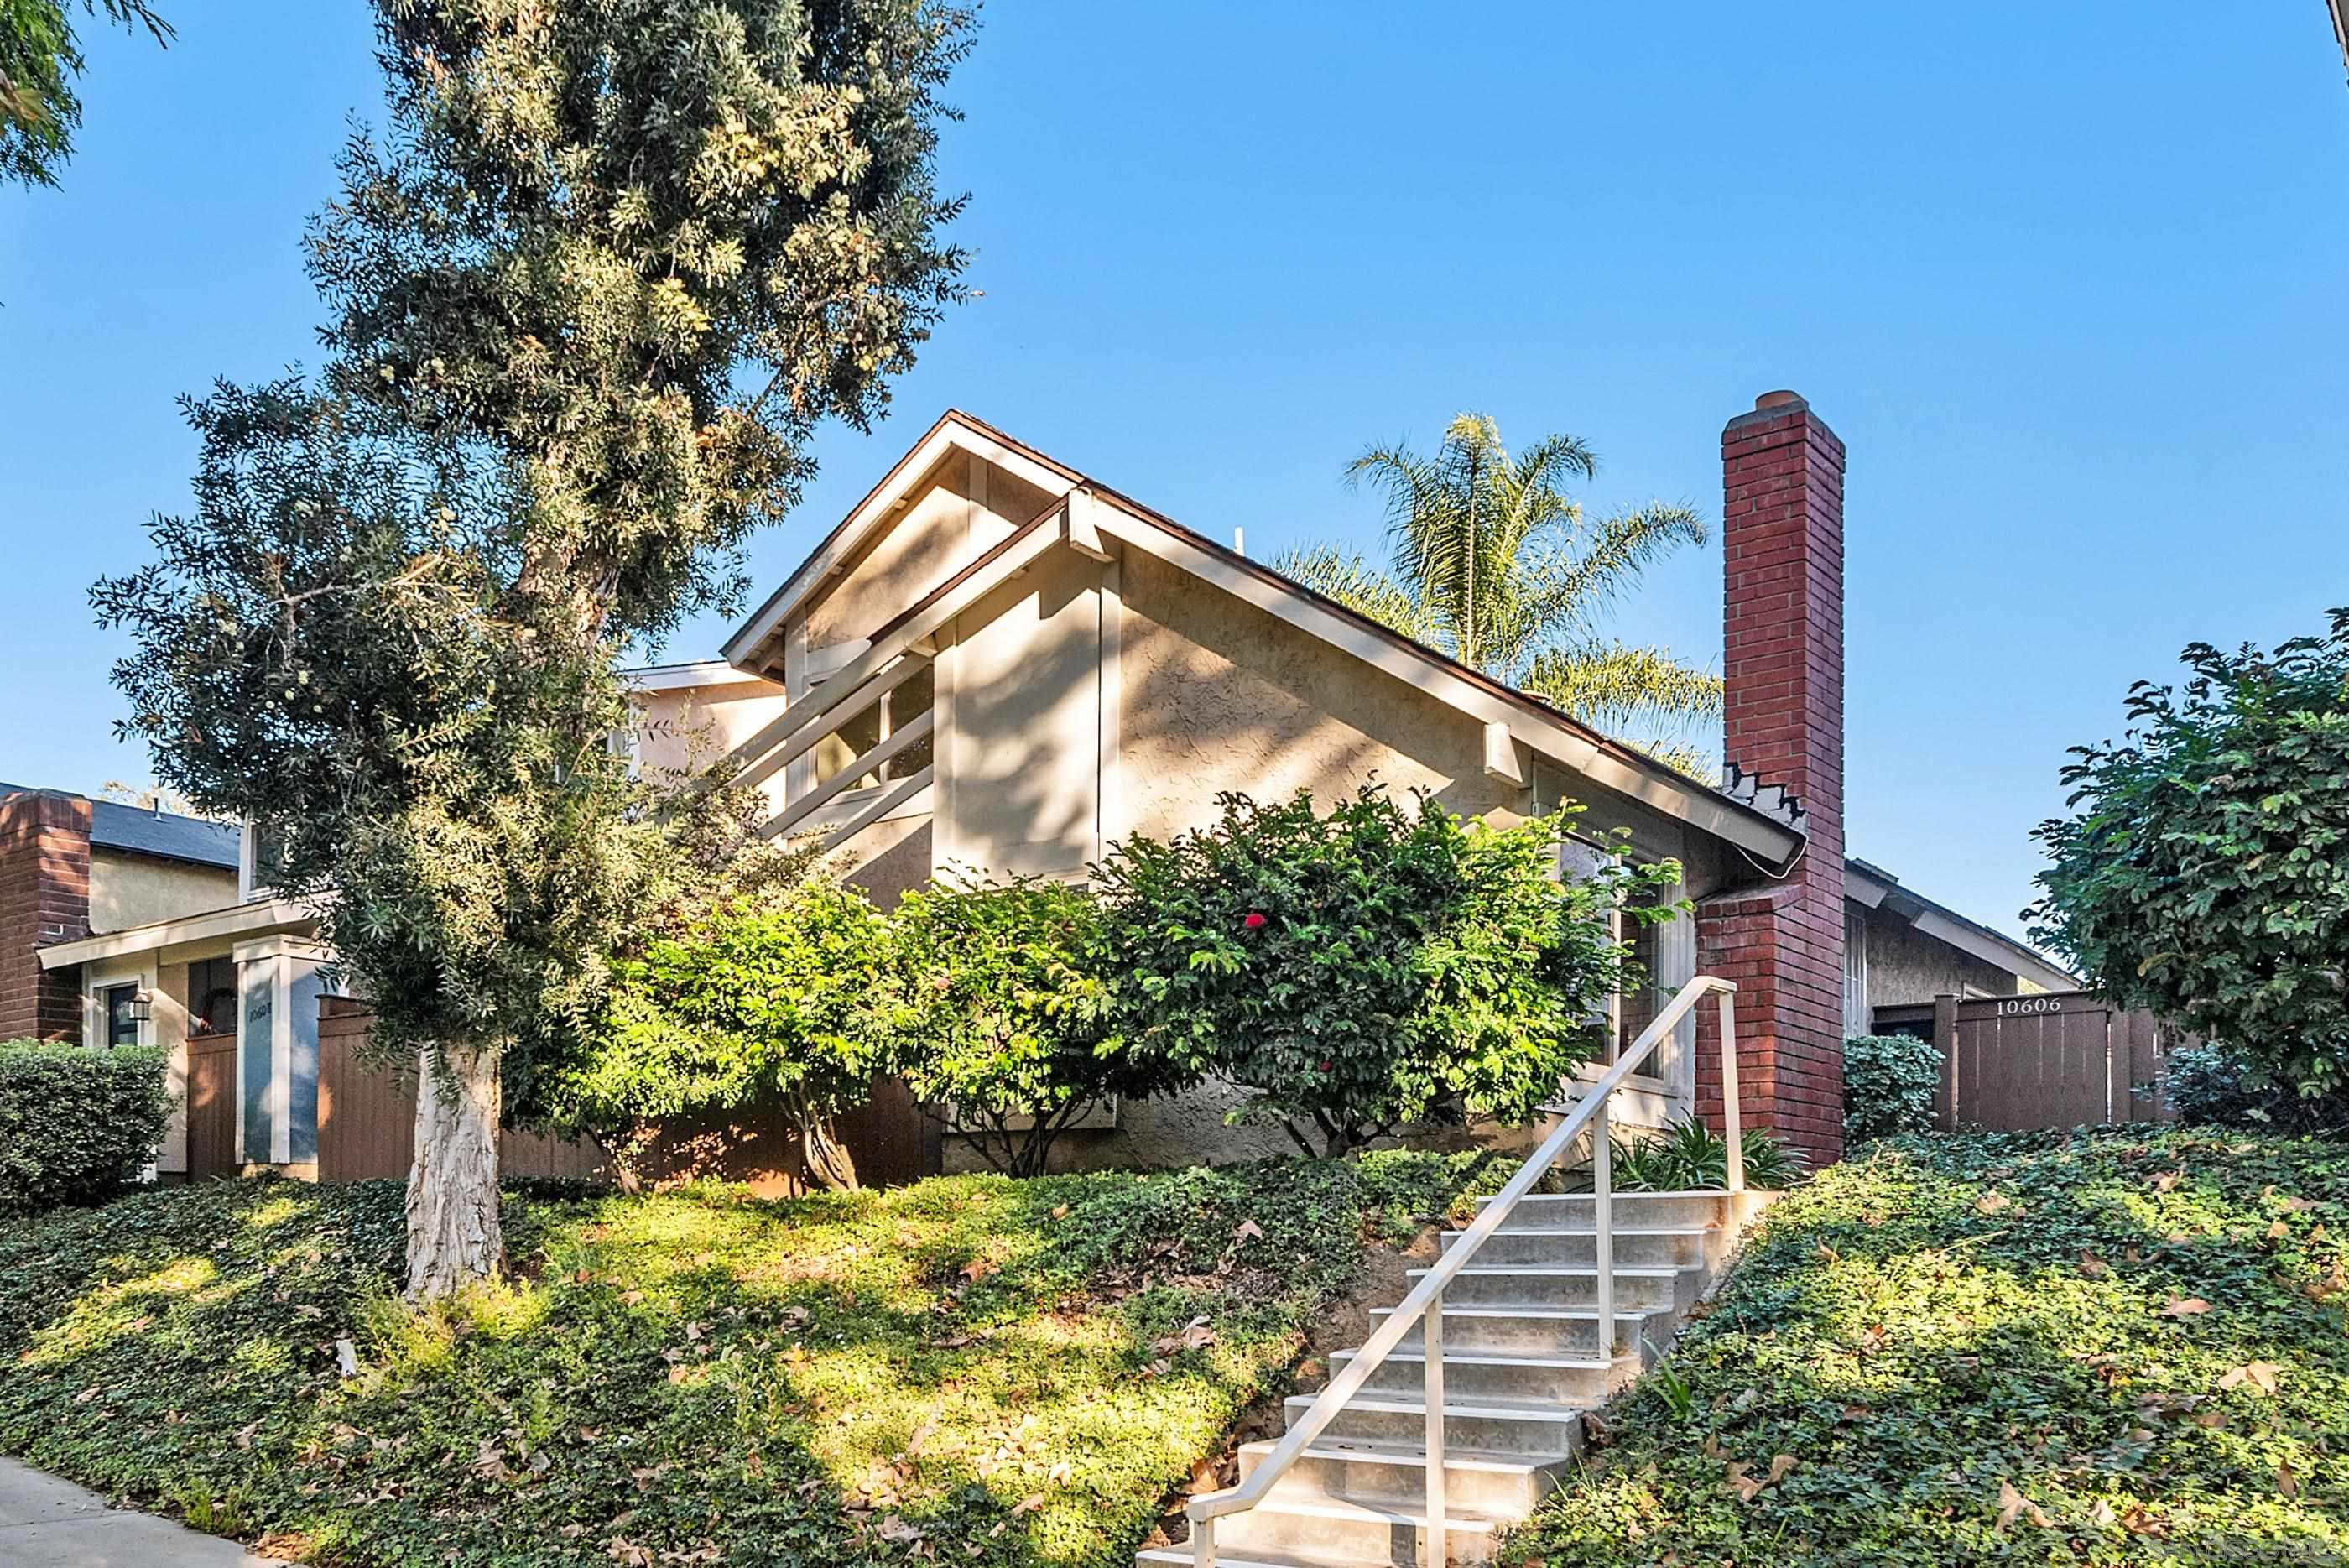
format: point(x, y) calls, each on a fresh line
point(971, 1370)
point(2094, 1348)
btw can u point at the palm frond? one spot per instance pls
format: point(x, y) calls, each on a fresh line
point(1613, 687)
point(1575, 588)
point(1344, 576)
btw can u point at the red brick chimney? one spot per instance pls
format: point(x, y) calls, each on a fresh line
point(43, 899)
point(1782, 663)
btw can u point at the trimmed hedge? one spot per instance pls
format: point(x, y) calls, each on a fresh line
point(1889, 1082)
point(76, 1124)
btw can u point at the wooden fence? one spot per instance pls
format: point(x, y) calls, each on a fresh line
point(212, 1107)
point(2058, 1059)
point(366, 1128)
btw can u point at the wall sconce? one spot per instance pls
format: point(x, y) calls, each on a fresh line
point(142, 1006)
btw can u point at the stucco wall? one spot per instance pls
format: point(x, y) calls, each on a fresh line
point(1024, 747)
point(132, 890)
point(1219, 695)
point(914, 554)
point(688, 730)
point(1904, 965)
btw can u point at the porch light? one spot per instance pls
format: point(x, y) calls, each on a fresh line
point(142, 1007)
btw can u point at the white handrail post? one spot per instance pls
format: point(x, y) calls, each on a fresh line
point(1732, 1132)
point(1431, 1340)
point(1602, 1187)
point(1203, 1542)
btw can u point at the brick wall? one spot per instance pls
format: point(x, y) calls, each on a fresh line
point(43, 899)
point(1782, 663)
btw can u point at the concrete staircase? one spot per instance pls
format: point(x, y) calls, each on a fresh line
point(1525, 1356)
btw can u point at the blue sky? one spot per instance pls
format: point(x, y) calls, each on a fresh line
point(2068, 280)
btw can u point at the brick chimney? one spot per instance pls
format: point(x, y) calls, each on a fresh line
point(1782, 664)
point(43, 899)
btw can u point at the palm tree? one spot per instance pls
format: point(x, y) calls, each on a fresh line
point(1495, 565)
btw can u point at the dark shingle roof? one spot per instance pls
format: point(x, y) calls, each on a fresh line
point(138, 831)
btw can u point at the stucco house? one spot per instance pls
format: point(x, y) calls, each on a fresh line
point(998, 664)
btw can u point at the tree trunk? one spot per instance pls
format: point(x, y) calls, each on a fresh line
point(453, 1234)
point(827, 1160)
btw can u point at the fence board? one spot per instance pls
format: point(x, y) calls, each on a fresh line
point(2052, 1060)
point(212, 1107)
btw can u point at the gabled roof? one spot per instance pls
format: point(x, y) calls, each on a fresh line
point(1874, 888)
point(1542, 728)
point(167, 836)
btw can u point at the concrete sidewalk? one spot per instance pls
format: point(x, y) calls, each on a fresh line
point(49, 1523)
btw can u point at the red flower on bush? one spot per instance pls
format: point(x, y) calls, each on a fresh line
point(1253, 921)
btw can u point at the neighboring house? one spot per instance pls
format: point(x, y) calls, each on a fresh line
point(221, 975)
point(996, 664)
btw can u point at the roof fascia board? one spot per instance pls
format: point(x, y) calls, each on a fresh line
point(1992, 948)
point(1661, 790)
point(955, 431)
point(235, 921)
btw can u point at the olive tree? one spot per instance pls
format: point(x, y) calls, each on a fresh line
point(590, 292)
point(2203, 870)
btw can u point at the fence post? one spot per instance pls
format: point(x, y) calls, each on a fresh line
point(1945, 1040)
point(1203, 1543)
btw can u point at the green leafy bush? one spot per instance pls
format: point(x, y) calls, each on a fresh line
point(1889, 1084)
point(2121, 1348)
point(1692, 1157)
point(745, 1000)
point(2204, 871)
point(76, 1124)
point(1369, 968)
point(1000, 1010)
point(2215, 1086)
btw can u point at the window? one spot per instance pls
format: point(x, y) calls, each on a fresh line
point(118, 1009)
point(211, 996)
point(896, 709)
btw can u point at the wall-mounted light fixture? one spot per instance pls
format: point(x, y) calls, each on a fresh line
point(142, 1006)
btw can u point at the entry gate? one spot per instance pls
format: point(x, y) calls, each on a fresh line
point(2057, 1059)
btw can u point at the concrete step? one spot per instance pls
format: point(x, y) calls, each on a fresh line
point(1568, 1244)
point(1504, 1487)
point(1538, 1432)
point(1569, 1382)
point(1336, 1531)
point(1536, 1331)
point(1566, 1284)
point(1548, 1210)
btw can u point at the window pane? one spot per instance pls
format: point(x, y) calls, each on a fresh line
point(121, 1029)
point(211, 996)
point(850, 741)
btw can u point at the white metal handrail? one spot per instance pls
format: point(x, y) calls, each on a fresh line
point(1426, 1300)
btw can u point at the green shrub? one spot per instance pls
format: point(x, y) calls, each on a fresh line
point(747, 1002)
point(1889, 1084)
point(1692, 1157)
point(2216, 1085)
point(1369, 968)
point(1000, 1010)
point(2204, 871)
point(76, 1124)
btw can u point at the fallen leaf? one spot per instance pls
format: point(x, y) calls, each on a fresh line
point(1195, 1335)
point(2286, 1482)
point(1249, 1230)
point(2186, 1306)
point(2013, 1505)
point(2259, 1374)
point(2093, 1267)
point(2168, 1180)
point(978, 1269)
point(1991, 1202)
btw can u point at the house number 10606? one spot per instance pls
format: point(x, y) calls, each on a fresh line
point(2021, 1004)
